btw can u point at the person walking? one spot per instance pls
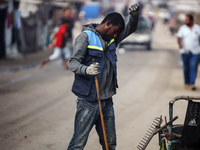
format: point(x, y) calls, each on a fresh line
point(69, 45)
point(59, 43)
point(188, 41)
point(95, 55)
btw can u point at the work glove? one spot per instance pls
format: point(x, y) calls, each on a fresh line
point(134, 10)
point(93, 69)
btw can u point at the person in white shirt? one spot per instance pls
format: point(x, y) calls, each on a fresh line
point(188, 41)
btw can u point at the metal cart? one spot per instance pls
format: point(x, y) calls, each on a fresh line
point(184, 136)
point(179, 136)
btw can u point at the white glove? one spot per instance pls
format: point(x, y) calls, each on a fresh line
point(93, 69)
point(134, 10)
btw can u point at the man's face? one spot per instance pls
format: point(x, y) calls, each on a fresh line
point(111, 32)
point(67, 13)
point(188, 22)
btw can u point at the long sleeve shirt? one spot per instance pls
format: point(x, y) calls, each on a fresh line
point(106, 85)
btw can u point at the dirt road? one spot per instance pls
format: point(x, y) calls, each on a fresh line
point(37, 106)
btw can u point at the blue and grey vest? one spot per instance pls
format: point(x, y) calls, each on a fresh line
point(84, 85)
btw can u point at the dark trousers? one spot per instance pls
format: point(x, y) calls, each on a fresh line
point(87, 116)
point(190, 65)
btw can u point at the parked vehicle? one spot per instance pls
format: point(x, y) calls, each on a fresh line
point(164, 14)
point(142, 36)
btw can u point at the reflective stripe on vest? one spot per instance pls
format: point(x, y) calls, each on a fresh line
point(111, 41)
point(95, 47)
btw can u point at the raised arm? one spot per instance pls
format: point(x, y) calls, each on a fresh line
point(131, 25)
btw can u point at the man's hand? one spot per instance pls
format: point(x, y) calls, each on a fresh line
point(179, 43)
point(50, 46)
point(134, 10)
point(93, 69)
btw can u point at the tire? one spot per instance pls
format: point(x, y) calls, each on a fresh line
point(148, 46)
point(121, 45)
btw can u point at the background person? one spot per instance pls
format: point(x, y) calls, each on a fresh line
point(188, 41)
point(69, 45)
point(59, 43)
point(98, 43)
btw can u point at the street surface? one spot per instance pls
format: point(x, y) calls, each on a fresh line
point(37, 106)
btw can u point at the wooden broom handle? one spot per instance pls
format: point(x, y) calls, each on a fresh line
point(101, 113)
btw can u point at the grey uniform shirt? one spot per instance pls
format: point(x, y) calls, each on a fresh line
point(106, 85)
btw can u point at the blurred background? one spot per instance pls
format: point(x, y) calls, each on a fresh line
point(36, 19)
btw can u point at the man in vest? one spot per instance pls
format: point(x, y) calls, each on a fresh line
point(97, 43)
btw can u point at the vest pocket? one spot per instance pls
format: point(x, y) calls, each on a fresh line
point(82, 85)
point(96, 53)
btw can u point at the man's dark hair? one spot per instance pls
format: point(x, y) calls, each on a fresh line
point(67, 8)
point(115, 19)
point(190, 16)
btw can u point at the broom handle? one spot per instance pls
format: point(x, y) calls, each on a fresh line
point(101, 114)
